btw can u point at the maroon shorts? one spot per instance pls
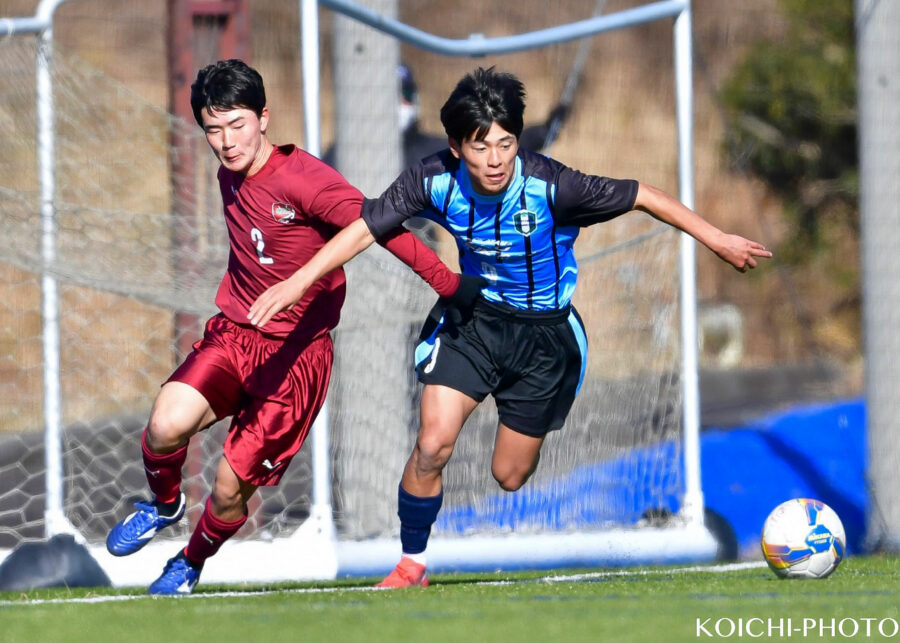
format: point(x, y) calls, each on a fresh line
point(273, 388)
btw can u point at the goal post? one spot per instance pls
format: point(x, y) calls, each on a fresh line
point(618, 485)
point(878, 59)
point(453, 546)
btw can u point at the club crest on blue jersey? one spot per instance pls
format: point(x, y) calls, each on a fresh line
point(283, 212)
point(525, 222)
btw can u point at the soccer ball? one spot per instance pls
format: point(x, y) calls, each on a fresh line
point(803, 538)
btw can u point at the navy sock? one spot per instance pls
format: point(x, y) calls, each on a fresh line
point(416, 517)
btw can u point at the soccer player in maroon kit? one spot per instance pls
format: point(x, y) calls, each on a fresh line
point(281, 206)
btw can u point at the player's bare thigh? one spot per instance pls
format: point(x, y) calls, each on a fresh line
point(179, 412)
point(515, 458)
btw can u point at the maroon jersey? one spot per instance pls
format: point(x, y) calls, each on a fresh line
point(278, 219)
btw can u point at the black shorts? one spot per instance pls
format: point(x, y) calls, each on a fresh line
point(531, 362)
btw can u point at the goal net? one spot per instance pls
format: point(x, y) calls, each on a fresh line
point(617, 463)
point(139, 251)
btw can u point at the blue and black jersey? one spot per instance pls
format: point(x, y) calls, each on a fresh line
point(522, 240)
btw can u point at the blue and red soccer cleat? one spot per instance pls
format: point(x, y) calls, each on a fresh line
point(179, 577)
point(135, 531)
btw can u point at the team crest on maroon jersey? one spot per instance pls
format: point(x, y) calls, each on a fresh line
point(283, 212)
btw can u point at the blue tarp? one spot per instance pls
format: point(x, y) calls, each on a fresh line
point(810, 451)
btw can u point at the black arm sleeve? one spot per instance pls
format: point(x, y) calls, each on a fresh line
point(585, 199)
point(404, 198)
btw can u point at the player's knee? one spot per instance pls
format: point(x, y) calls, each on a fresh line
point(164, 433)
point(432, 454)
point(510, 479)
point(226, 500)
point(511, 475)
point(511, 483)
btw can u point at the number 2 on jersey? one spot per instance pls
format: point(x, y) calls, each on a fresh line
point(257, 237)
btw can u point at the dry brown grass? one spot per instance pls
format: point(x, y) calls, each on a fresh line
point(622, 124)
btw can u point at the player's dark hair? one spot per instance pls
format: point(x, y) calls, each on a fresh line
point(226, 85)
point(480, 99)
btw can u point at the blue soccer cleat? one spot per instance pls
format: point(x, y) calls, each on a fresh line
point(135, 531)
point(178, 577)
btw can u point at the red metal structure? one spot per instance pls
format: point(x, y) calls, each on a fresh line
point(200, 32)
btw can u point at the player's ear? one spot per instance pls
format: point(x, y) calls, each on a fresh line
point(454, 147)
point(264, 120)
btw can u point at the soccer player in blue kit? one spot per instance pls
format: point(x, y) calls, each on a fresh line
point(514, 215)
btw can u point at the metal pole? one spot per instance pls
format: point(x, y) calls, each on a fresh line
point(54, 508)
point(321, 511)
point(477, 45)
point(692, 507)
point(365, 63)
point(55, 521)
point(309, 43)
point(878, 71)
point(13, 26)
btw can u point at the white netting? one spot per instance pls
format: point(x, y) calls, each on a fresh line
point(616, 461)
point(618, 457)
point(140, 251)
point(138, 260)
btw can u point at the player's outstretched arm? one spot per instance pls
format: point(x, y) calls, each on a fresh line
point(741, 253)
point(457, 290)
point(345, 245)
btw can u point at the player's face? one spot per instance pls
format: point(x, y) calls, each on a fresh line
point(490, 161)
point(238, 138)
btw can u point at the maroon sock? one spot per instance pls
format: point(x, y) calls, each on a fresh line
point(209, 534)
point(163, 471)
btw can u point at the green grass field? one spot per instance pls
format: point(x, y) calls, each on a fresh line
point(648, 604)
